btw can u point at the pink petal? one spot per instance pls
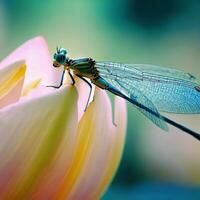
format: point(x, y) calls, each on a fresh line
point(38, 60)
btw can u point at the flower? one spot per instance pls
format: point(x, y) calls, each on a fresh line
point(49, 148)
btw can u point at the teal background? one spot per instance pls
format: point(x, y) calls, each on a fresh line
point(155, 165)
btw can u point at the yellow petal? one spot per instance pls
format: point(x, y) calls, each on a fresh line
point(36, 138)
point(28, 88)
point(117, 146)
point(97, 151)
point(11, 83)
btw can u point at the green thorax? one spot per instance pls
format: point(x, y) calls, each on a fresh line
point(84, 67)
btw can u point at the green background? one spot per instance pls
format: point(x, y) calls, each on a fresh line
point(155, 164)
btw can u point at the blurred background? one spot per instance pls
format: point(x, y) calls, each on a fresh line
point(155, 164)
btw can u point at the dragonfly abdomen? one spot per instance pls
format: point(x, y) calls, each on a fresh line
point(100, 82)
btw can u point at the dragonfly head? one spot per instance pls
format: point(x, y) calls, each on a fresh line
point(60, 57)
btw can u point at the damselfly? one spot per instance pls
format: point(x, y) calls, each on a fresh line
point(150, 88)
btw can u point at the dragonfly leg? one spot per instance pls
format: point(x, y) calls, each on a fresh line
point(61, 82)
point(62, 79)
point(90, 85)
point(72, 78)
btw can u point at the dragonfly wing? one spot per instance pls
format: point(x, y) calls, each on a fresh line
point(154, 70)
point(169, 90)
point(137, 98)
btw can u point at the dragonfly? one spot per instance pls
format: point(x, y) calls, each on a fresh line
point(148, 87)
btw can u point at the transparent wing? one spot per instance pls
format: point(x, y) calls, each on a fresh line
point(153, 70)
point(169, 90)
point(137, 98)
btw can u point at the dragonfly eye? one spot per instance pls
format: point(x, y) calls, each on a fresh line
point(63, 51)
point(61, 58)
point(55, 56)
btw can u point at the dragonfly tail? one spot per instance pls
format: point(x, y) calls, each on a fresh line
point(181, 127)
point(169, 121)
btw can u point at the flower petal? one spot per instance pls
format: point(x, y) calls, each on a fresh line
point(83, 95)
point(36, 144)
point(11, 82)
point(116, 147)
point(38, 60)
point(31, 86)
point(97, 151)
